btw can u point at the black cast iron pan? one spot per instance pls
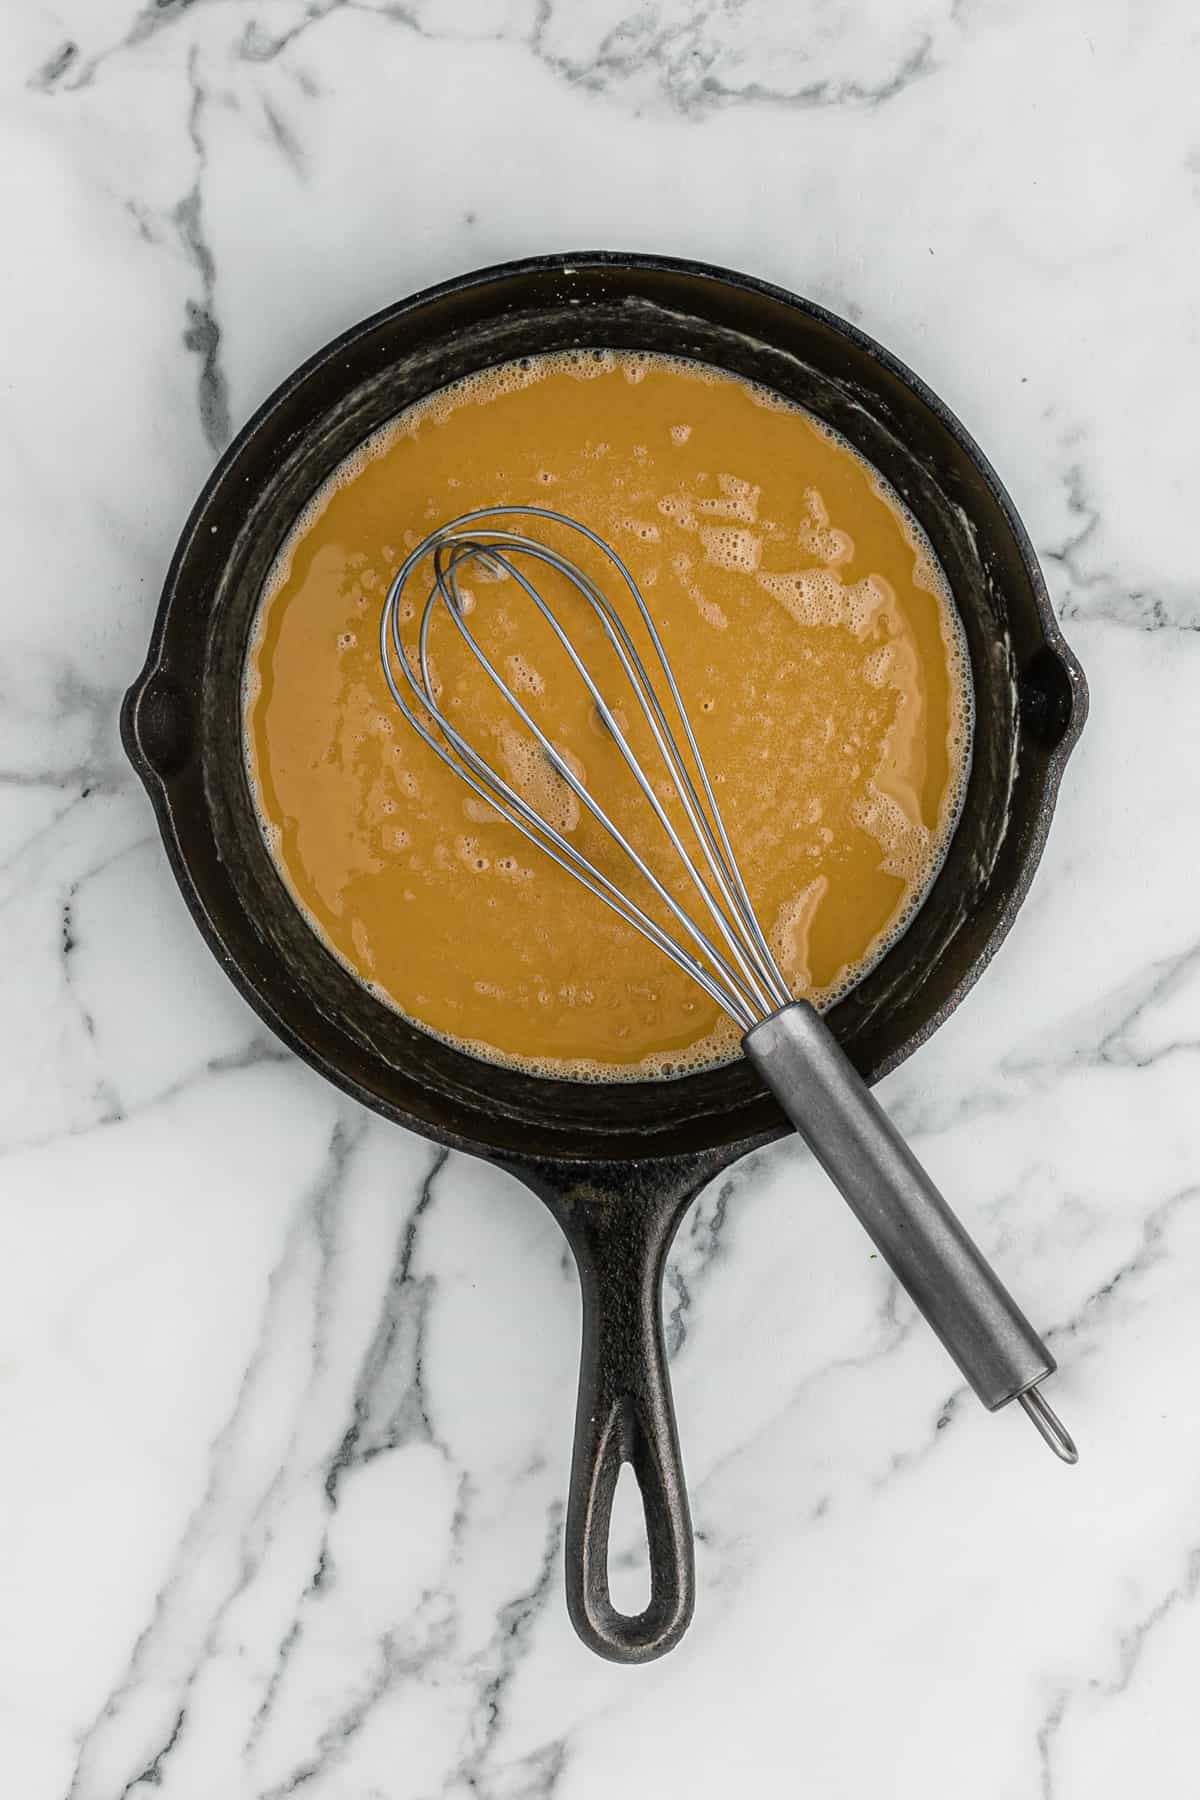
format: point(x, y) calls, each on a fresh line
point(617, 1165)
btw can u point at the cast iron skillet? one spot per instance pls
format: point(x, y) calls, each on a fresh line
point(617, 1165)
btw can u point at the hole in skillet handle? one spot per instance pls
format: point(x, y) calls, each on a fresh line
point(156, 725)
point(628, 1547)
point(1047, 698)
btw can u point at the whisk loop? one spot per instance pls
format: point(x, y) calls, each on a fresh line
point(743, 978)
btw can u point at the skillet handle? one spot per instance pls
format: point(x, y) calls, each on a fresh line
point(625, 1415)
point(619, 1219)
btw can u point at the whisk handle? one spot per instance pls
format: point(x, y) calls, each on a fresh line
point(898, 1205)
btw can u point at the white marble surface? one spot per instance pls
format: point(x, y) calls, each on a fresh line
point(286, 1397)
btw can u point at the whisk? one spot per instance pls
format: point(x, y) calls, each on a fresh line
point(716, 939)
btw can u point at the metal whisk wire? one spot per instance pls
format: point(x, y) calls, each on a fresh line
point(750, 986)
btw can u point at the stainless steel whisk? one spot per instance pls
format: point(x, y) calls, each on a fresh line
point(722, 947)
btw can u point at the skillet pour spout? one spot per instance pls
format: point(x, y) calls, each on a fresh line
point(617, 1164)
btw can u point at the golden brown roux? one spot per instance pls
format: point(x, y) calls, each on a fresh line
point(813, 640)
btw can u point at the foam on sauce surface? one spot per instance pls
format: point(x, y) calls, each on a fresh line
point(813, 639)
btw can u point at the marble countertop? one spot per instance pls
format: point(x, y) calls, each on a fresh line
point(287, 1394)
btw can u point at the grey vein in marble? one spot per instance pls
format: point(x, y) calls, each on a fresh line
point(699, 1244)
point(1095, 592)
point(1131, 1647)
point(185, 1622)
point(390, 1407)
point(689, 51)
point(203, 333)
